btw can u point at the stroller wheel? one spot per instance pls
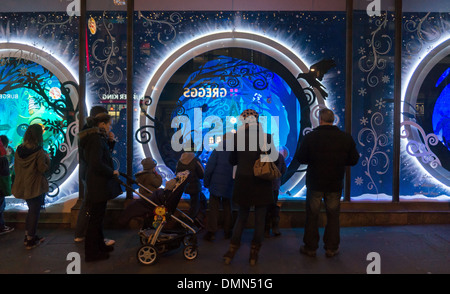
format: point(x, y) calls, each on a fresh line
point(147, 254)
point(190, 252)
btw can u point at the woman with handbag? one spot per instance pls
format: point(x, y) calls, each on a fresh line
point(99, 185)
point(249, 190)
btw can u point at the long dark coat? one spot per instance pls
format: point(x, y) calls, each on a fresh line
point(249, 190)
point(96, 165)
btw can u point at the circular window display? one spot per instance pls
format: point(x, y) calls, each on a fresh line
point(219, 76)
point(35, 88)
point(426, 114)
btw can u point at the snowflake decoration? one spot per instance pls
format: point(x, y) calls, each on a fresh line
point(362, 91)
point(120, 19)
point(385, 79)
point(380, 103)
point(359, 181)
point(362, 50)
point(364, 120)
point(23, 71)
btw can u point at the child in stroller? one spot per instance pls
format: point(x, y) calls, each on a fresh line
point(156, 209)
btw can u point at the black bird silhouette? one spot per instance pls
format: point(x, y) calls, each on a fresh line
point(316, 73)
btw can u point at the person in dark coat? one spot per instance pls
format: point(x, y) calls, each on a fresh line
point(327, 151)
point(5, 182)
point(219, 180)
point(249, 190)
point(189, 162)
point(95, 157)
point(82, 219)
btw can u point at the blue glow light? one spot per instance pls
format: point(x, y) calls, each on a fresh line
point(441, 113)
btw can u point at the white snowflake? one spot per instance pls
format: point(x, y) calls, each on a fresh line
point(364, 120)
point(23, 71)
point(380, 103)
point(359, 181)
point(362, 50)
point(362, 91)
point(385, 79)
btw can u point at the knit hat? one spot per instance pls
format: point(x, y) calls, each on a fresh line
point(148, 163)
point(249, 113)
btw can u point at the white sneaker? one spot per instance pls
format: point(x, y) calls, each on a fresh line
point(6, 230)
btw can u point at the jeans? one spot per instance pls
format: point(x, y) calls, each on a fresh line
point(258, 235)
point(34, 211)
point(331, 236)
point(213, 216)
point(273, 210)
point(197, 205)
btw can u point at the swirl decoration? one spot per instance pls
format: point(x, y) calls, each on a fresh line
point(368, 64)
point(419, 149)
point(376, 156)
point(310, 95)
point(68, 146)
point(42, 19)
point(168, 26)
point(104, 54)
point(424, 31)
point(143, 135)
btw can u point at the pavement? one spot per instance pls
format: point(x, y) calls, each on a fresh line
point(411, 249)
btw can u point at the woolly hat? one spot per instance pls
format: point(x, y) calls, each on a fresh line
point(148, 163)
point(249, 113)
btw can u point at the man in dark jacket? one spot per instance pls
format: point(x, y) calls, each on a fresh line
point(327, 151)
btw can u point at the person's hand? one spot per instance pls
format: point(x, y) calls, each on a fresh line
point(116, 173)
point(111, 137)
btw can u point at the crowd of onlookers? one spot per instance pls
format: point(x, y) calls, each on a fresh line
point(228, 175)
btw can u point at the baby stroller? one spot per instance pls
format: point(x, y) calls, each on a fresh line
point(157, 240)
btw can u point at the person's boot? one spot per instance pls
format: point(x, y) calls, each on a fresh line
point(228, 256)
point(275, 226)
point(254, 251)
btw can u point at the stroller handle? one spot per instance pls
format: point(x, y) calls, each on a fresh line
point(130, 179)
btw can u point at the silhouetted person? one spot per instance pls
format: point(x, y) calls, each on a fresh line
point(326, 150)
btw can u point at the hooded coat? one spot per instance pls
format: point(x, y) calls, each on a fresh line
point(189, 162)
point(219, 174)
point(149, 179)
point(30, 167)
point(96, 165)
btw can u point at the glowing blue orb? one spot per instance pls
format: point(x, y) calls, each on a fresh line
point(441, 113)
